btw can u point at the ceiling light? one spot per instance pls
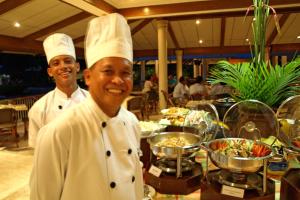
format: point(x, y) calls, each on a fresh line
point(254, 19)
point(200, 41)
point(247, 40)
point(298, 37)
point(17, 24)
point(146, 10)
point(197, 21)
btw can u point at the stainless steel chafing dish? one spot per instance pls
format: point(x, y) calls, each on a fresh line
point(249, 121)
point(237, 163)
point(167, 150)
point(288, 115)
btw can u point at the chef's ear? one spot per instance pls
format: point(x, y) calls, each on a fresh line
point(87, 76)
point(49, 71)
point(77, 65)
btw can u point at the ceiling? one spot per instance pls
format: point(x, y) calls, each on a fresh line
point(223, 27)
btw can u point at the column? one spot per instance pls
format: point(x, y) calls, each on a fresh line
point(196, 70)
point(200, 73)
point(275, 60)
point(179, 54)
point(143, 71)
point(162, 28)
point(156, 67)
point(267, 53)
point(283, 60)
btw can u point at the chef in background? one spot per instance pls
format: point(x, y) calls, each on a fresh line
point(63, 68)
point(92, 150)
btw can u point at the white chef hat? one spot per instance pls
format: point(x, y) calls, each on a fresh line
point(107, 36)
point(58, 44)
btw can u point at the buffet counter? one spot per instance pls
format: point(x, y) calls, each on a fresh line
point(197, 194)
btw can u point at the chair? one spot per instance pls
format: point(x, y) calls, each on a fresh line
point(8, 123)
point(136, 106)
point(168, 98)
point(152, 101)
point(197, 96)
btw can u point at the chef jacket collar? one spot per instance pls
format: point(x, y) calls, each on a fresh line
point(64, 95)
point(97, 111)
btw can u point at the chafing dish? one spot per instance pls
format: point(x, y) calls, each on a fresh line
point(168, 151)
point(237, 163)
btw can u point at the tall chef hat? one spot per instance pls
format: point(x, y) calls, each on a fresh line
point(58, 44)
point(107, 36)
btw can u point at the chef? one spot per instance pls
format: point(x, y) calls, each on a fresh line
point(91, 151)
point(62, 66)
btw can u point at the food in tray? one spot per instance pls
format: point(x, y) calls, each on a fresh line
point(185, 117)
point(296, 142)
point(150, 126)
point(175, 111)
point(173, 142)
point(195, 117)
point(240, 148)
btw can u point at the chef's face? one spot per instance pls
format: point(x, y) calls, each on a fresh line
point(64, 70)
point(110, 82)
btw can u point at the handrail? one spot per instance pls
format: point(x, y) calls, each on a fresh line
point(27, 100)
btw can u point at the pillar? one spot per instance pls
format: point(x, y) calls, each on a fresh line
point(179, 54)
point(162, 28)
point(143, 71)
point(156, 67)
point(283, 60)
point(196, 70)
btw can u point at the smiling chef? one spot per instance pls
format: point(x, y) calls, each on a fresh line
point(91, 151)
point(63, 68)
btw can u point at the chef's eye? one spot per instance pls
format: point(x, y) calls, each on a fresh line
point(108, 72)
point(127, 73)
point(68, 61)
point(54, 64)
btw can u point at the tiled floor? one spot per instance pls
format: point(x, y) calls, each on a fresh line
point(15, 168)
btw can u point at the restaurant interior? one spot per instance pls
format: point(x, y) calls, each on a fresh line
point(170, 39)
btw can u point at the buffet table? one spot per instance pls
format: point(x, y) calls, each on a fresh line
point(197, 194)
point(270, 189)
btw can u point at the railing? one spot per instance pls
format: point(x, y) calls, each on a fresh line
point(28, 101)
point(18, 105)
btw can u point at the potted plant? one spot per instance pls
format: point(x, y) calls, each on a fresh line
point(258, 79)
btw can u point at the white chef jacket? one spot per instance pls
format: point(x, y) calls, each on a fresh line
point(49, 107)
point(84, 154)
point(148, 85)
point(180, 90)
point(197, 88)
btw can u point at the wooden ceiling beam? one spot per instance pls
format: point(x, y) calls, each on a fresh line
point(278, 48)
point(58, 25)
point(102, 5)
point(222, 32)
point(78, 39)
point(140, 26)
point(274, 33)
point(8, 5)
point(211, 15)
point(213, 6)
point(81, 38)
point(173, 37)
point(8, 43)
